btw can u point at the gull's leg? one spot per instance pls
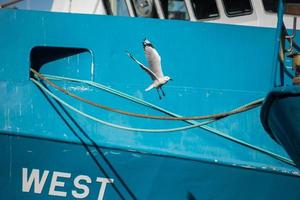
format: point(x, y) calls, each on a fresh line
point(157, 89)
point(162, 91)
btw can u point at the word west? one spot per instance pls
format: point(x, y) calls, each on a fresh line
point(37, 180)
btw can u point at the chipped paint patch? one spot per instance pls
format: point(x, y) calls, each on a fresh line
point(79, 88)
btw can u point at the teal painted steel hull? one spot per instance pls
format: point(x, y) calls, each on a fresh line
point(140, 175)
point(210, 76)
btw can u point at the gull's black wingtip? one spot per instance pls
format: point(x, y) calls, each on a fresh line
point(147, 43)
point(144, 42)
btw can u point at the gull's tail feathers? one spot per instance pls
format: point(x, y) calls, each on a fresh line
point(149, 88)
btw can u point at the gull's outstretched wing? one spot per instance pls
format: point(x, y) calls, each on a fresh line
point(154, 61)
point(146, 69)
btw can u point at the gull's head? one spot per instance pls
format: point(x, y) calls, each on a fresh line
point(167, 78)
point(147, 43)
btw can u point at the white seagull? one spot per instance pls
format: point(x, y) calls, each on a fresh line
point(154, 69)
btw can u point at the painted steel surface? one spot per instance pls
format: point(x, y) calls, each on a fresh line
point(140, 175)
point(215, 68)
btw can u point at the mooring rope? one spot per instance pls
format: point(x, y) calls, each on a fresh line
point(252, 105)
point(194, 123)
point(115, 125)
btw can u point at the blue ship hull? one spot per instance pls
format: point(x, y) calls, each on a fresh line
point(52, 152)
point(136, 175)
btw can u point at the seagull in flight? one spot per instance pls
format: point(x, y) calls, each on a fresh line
point(154, 70)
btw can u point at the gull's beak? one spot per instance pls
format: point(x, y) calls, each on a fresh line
point(171, 79)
